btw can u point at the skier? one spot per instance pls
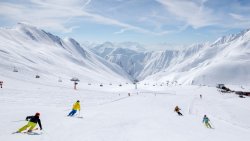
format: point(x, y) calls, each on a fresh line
point(200, 96)
point(76, 107)
point(1, 84)
point(206, 121)
point(177, 110)
point(33, 120)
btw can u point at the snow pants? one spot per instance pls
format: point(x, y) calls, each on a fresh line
point(30, 125)
point(179, 113)
point(72, 113)
point(208, 125)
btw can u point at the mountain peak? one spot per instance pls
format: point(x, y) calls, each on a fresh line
point(229, 38)
point(25, 26)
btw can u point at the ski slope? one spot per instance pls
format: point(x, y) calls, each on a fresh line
point(110, 115)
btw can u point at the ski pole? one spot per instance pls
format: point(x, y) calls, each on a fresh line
point(18, 120)
point(79, 115)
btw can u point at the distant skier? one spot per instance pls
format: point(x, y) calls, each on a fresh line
point(33, 120)
point(200, 96)
point(206, 121)
point(177, 110)
point(1, 84)
point(76, 107)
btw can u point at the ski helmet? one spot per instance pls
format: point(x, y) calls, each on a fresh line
point(77, 101)
point(37, 114)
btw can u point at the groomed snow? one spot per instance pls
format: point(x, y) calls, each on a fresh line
point(108, 116)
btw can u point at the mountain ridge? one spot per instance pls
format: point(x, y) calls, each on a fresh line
point(36, 51)
point(206, 63)
point(193, 57)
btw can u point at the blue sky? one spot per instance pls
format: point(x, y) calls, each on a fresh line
point(174, 22)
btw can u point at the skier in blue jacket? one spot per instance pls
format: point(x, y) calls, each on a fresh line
point(206, 121)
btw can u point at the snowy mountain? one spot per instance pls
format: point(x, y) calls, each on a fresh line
point(108, 47)
point(128, 55)
point(206, 63)
point(225, 61)
point(33, 51)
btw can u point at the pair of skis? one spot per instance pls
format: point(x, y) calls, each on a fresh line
point(78, 116)
point(29, 132)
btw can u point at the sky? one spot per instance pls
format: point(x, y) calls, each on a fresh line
point(172, 22)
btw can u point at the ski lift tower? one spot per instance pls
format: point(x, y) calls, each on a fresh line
point(135, 83)
point(75, 80)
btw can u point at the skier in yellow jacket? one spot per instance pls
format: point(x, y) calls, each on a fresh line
point(76, 107)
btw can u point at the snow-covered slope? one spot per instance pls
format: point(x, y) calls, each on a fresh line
point(33, 51)
point(128, 55)
point(224, 61)
point(141, 64)
point(109, 114)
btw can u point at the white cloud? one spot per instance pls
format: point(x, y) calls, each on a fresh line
point(121, 31)
point(238, 17)
point(38, 14)
point(56, 14)
point(192, 12)
point(172, 16)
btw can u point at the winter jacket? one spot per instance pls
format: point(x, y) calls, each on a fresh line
point(35, 119)
point(206, 119)
point(177, 109)
point(76, 106)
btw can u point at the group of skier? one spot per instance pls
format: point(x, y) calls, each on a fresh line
point(33, 120)
point(205, 120)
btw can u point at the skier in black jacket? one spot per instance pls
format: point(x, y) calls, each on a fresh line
point(33, 120)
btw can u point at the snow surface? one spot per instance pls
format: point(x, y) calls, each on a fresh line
point(36, 52)
point(226, 60)
point(110, 115)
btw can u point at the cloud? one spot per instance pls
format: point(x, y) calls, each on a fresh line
point(151, 17)
point(121, 31)
point(58, 14)
point(238, 17)
point(39, 13)
point(191, 12)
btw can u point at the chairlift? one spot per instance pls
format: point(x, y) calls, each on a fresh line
point(74, 79)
